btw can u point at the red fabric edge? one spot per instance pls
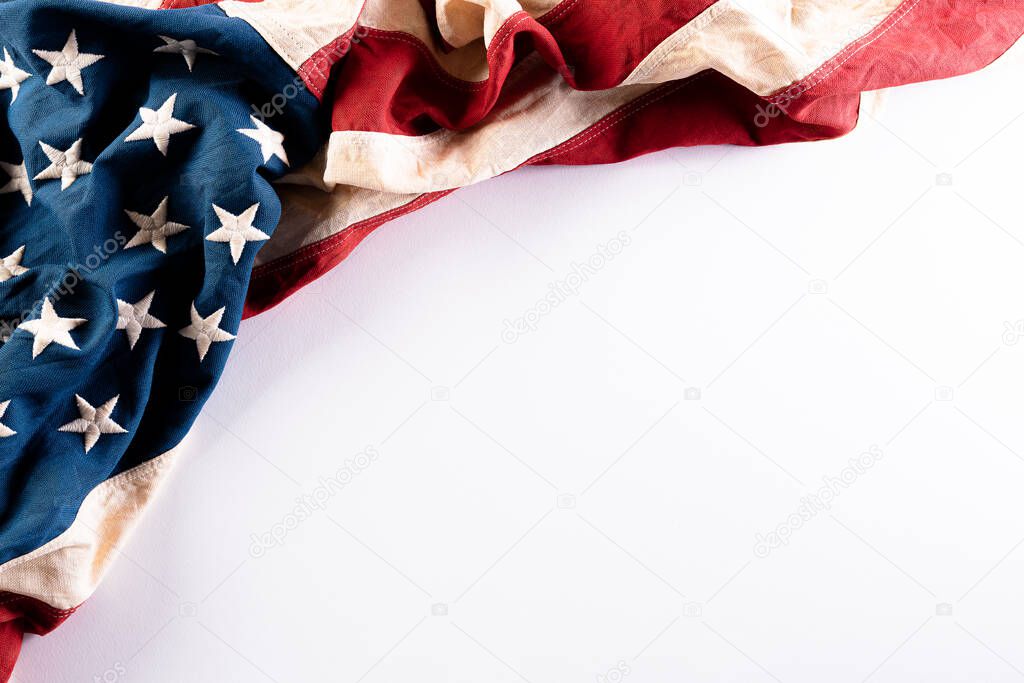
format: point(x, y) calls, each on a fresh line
point(283, 277)
point(20, 615)
point(316, 71)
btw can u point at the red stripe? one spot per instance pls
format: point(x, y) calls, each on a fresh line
point(20, 615)
point(605, 40)
point(392, 83)
point(923, 40)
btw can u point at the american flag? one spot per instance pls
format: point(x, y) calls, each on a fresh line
point(168, 168)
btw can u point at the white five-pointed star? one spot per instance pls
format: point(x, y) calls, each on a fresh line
point(271, 142)
point(18, 182)
point(186, 48)
point(11, 266)
point(93, 422)
point(5, 431)
point(68, 63)
point(206, 331)
point(159, 125)
point(67, 165)
point(154, 229)
point(50, 328)
point(133, 318)
point(237, 230)
point(11, 76)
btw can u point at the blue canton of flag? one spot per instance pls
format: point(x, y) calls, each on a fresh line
point(134, 194)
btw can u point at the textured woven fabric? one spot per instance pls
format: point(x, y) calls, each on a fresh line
point(167, 167)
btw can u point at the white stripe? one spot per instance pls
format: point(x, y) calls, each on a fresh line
point(764, 46)
point(296, 29)
point(65, 572)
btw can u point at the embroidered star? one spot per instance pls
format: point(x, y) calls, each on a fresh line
point(68, 64)
point(154, 229)
point(18, 182)
point(67, 165)
point(133, 318)
point(50, 328)
point(186, 48)
point(11, 76)
point(237, 230)
point(206, 331)
point(159, 125)
point(11, 266)
point(93, 422)
point(271, 142)
point(5, 431)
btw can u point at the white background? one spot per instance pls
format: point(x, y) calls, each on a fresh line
point(561, 508)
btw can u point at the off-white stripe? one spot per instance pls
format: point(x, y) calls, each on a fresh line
point(296, 29)
point(764, 45)
point(65, 572)
point(470, 26)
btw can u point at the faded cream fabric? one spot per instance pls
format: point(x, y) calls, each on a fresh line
point(296, 29)
point(468, 26)
point(65, 572)
point(463, 21)
point(764, 45)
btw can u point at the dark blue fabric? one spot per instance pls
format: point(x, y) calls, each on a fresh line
point(75, 238)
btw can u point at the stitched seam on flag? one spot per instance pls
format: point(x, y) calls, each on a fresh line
point(330, 44)
point(671, 45)
point(289, 35)
point(437, 69)
point(617, 117)
point(36, 604)
point(893, 21)
point(505, 31)
point(312, 64)
point(557, 13)
point(128, 477)
point(292, 49)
